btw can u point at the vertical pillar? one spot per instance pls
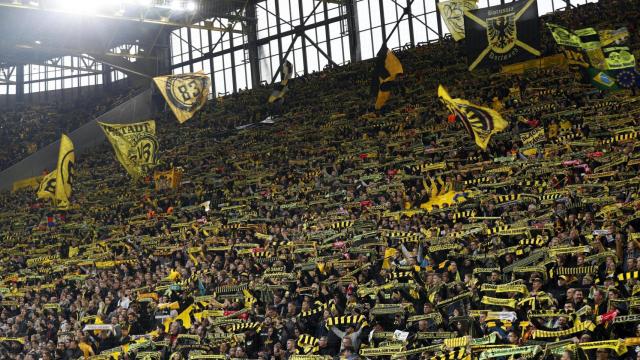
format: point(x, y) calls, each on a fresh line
point(354, 33)
point(106, 77)
point(19, 83)
point(407, 10)
point(300, 33)
point(252, 39)
point(326, 32)
point(440, 34)
point(190, 47)
point(234, 81)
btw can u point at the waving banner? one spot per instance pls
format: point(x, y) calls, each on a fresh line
point(281, 89)
point(599, 55)
point(452, 12)
point(47, 188)
point(481, 122)
point(135, 145)
point(503, 34)
point(185, 93)
point(65, 172)
point(387, 69)
point(57, 184)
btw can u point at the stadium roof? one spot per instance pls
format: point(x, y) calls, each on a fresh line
point(34, 31)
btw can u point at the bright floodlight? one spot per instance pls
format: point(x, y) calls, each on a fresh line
point(78, 6)
point(191, 6)
point(176, 5)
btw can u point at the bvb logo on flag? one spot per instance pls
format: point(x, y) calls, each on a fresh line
point(67, 169)
point(501, 33)
point(136, 145)
point(50, 185)
point(144, 151)
point(185, 91)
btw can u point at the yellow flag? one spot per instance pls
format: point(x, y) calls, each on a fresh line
point(281, 89)
point(481, 122)
point(169, 179)
point(452, 12)
point(65, 172)
point(31, 182)
point(387, 68)
point(185, 93)
point(47, 188)
point(135, 145)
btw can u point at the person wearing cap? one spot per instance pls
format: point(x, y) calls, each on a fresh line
point(560, 289)
point(536, 286)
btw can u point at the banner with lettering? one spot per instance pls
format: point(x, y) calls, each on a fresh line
point(135, 145)
point(504, 34)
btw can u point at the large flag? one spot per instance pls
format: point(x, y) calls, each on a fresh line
point(57, 184)
point(502, 34)
point(282, 88)
point(135, 145)
point(606, 67)
point(47, 188)
point(65, 172)
point(481, 122)
point(452, 13)
point(185, 93)
point(387, 68)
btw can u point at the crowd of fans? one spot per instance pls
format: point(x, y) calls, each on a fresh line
point(26, 128)
point(344, 233)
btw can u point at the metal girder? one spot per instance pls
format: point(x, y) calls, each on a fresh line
point(313, 43)
point(7, 82)
point(123, 65)
point(6, 76)
point(137, 56)
point(398, 21)
point(231, 26)
point(300, 29)
point(328, 57)
point(115, 62)
point(407, 11)
point(252, 45)
point(353, 28)
point(262, 41)
point(141, 19)
point(92, 71)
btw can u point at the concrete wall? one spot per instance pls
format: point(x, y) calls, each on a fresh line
point(138, 108)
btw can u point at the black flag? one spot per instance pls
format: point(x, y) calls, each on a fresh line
point(503, 34)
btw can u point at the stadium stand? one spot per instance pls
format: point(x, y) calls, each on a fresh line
point(27, 128)
point(336, 231)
